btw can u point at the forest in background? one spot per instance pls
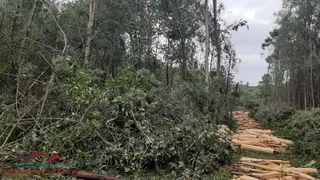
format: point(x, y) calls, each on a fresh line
point(293, 73)
point(117, 85)
point(289, 94)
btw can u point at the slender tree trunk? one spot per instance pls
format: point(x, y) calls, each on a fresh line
point(13, 63)
point(287, 91)
point(184, 60)
point(265, 88)
point(312, 87)
point(311, 75)
point(92, 9)
point(27, 29)
point(305, 90)
point(217, 38)
point(172, 75)
point(206, 60)
point(293, 88)
point(167, 74)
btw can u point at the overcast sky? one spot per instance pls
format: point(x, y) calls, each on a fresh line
point(247, 42)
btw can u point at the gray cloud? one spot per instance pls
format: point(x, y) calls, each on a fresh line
point(247, 42)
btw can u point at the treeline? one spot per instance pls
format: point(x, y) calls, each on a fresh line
point(293, 76)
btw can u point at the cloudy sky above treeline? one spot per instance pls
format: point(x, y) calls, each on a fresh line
point(247, 42)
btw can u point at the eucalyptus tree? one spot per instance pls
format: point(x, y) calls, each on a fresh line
point(295, 54)
point(207, 47)
point(92, 12)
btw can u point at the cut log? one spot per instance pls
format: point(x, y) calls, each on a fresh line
point(272, 175)
point(288, 178)
point(251, 170)
point(248, 178)
point(248, 139)
point(260, 131)
point(244, 136)
point(305, 170)
point(301, 175)
point(261, 166)
point(246, 159)
point(257, 149)
point(251, 142)
point(284, 141)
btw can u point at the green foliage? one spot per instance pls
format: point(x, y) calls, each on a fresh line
point(290, 59)
point(82, 87)
point(106, 115)
point(300, 126)
point(252, 106)
point(248, 97)
point(281, 119)
point(130, 125)
point(275, 118)
point(262, 115)
point(304, 129)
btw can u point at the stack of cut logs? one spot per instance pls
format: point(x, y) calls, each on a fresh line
point(243, 122)
point(250, 137)
point(255, 169)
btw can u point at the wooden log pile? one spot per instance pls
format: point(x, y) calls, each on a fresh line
point(250, 137)
point(244, 122)
point(255, 169)
point(260, 141)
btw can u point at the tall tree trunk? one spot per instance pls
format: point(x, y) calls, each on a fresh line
point(27, 29)
point(311, 74)
point(265, 89)
point(167, 74)
point(13, 63)
point(206, 60)
point(184, 60)
point(217, 37)
point(92, 9)
point(305, 90)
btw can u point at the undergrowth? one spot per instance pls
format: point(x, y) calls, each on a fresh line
point(302, 127)
point(130, 124)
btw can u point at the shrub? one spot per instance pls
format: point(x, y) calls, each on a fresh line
point(304, 129)
point(262, 115)
point(251, 106)
point(275, 118)
point(281, 119)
